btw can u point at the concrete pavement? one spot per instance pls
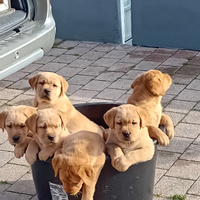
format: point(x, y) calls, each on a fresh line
point(99, 72)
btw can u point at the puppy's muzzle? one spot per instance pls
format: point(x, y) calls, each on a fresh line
point(47, 91)
point(15, 138)
point(51, 137)
point(126, 134)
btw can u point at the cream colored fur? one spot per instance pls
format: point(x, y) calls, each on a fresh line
point(79, 163)
point(13, 121)
point(54, 97)
point(148, 90)
point(48, 134)
point(128, 140)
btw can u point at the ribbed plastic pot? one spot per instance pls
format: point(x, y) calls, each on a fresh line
point(136, 183)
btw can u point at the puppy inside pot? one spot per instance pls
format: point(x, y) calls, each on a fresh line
point(148, 90)
point(48, 131)
point(79, 163)
point(128, 140)
point(13, 121)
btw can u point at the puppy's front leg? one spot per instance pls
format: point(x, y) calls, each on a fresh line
point(32, 152)
point(168, 124)
point(21, 148)
point(134, 157)
point(88, 192)
point(156, 133)
point(114, 151)
point(49, 151)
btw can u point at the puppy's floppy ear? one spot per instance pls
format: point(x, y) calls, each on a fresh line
point(109, 117)
point(29, 111)
point(154, 84)
point(33, 81)
point(167, 82)
point(63, 118)
point(143, 114)
point(86, 173)
point(31, 123)
point(57, 163)
point(137, 81)
point(64, 86)
point(3, 116)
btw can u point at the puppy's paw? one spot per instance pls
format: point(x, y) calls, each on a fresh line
point(30, 159)
point(163, 140)
point(19, 152)
point(170, 132)
point(43, 155)
point(121, 164)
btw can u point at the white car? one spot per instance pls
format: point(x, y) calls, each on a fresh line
point(27, 32)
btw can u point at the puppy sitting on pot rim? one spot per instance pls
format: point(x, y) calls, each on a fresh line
point(48, 130)
point(128, 140)
point(13, 121)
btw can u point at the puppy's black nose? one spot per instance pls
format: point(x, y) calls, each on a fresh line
point(15, 138)
point(51, 137)
point(126, 134)
point(46, 91)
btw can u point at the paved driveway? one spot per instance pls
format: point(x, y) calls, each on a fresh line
point(99, 72)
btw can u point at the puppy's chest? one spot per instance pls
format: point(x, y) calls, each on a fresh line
point(154, 119)
point(154, 115)
point(126, 148)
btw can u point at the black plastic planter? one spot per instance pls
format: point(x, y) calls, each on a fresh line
point(135, 184)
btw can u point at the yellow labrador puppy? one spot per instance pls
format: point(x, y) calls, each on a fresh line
point(128, 140)
point(148, 90)
point(79, 163)
point(48, 132)
point(50, 91)
point(13, 121)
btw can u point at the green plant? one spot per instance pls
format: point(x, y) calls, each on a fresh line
point(57, 42)
point(69, 48)
point(190, 58)
point(178, 197)
point(184, 64)
point(133, 66)
point(3, 182)
point(158, 195)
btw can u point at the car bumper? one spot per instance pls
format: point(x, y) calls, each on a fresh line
point(27, 46)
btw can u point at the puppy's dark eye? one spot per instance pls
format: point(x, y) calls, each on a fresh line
point(22, 126)
point(41, 83)
point(134, 123)
point(43, 126)
point(119, 123)
point(54, 85)
point(9, 126)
